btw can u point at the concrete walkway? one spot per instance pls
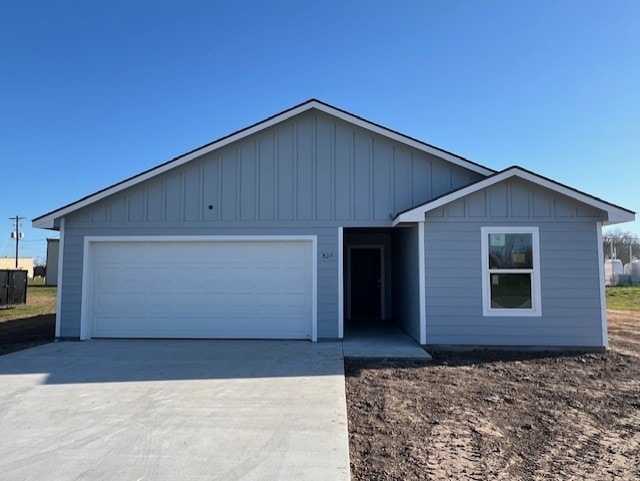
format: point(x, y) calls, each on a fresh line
point(167, 410)
point(381, 340)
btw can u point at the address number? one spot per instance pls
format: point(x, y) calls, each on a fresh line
point(327, 255)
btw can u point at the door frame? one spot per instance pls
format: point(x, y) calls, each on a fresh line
point(380, 247)
point(87, 274)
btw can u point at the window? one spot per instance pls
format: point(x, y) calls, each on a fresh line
point(511, 271)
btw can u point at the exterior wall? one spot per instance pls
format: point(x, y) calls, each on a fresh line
point(570, 283)
point(313, 168)
point(24, 264)
point(308, 175)
point(406, 307)
point(53, 246)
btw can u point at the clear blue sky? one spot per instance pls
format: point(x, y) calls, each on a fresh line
point(93, 92)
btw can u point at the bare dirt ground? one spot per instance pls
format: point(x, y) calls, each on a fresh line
point(495, 415)
point(480, 415)
point(18, 334)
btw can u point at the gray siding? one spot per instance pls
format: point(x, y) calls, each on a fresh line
point(53, 249)
point(568, 262)
point(406, 306)
point(310, 169)
point(515, 199)
point(308, 175)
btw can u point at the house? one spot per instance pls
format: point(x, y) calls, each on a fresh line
point(53, 247)
point(314, 218)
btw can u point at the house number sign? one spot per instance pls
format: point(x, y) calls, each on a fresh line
point(326, 255)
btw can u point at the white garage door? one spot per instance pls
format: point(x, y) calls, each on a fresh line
point(234, 289)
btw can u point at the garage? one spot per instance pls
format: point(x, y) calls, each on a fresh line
point(202, 287)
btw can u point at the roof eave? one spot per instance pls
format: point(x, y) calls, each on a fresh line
point(46, 221)
point(619, 218)
point(613, 214)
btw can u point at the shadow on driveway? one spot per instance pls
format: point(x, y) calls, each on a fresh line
point(100, 361)
point(166, 410)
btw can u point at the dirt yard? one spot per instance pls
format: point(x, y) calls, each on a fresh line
point(500, 415)
point(30, 324)
point(473, 415)
point(19, 334)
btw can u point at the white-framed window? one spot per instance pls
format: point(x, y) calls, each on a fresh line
point(511, 271)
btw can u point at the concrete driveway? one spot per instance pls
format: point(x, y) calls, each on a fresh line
point(167, 410)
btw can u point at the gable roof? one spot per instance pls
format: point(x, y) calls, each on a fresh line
point(615, 214)
point(47, 221)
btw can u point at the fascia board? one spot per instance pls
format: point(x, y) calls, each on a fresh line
point(383, 131)
point(417, 214)
point(47, 221)
point(614, 214)
point(612, 211)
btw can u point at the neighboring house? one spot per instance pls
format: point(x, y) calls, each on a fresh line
point(53, 247)
point(295, 226)
point(24, 264)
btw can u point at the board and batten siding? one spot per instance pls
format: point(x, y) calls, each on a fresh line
point(311, 168)
point(570, 289)
point(306, 176)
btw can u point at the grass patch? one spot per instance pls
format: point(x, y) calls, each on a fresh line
point(40, 300)
point(623, 298)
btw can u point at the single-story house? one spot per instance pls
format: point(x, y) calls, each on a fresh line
point(314, 218)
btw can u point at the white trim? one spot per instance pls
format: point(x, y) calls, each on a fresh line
point(422, 289)
point(89, 241)
point(85, 305)
point(536, 296)
point(47, 221)
point(197, 238)
point(59, 288)
point(614, 214)
point(340, 283)
point(603, 296)
point(314, 281)
point(380, 130)
point(380, 247)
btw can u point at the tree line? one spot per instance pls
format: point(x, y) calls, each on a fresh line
point(618, 244)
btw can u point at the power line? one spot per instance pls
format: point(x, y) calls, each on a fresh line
point(4, 244)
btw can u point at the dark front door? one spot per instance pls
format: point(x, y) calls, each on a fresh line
point(366, 277)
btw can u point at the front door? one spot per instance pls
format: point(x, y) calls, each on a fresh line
point(366, 287)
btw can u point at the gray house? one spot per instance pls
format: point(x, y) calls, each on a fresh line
point(314, 218)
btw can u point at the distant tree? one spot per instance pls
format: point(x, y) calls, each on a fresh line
point(39, 267)
point(618, 244)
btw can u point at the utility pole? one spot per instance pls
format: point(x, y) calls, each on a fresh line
point(611, 246)
point(17, 234)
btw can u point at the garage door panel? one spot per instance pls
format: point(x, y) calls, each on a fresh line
point(134, 324)
point(219, 289)
point(109, 324)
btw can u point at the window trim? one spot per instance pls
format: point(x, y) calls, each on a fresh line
point(536, 303)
